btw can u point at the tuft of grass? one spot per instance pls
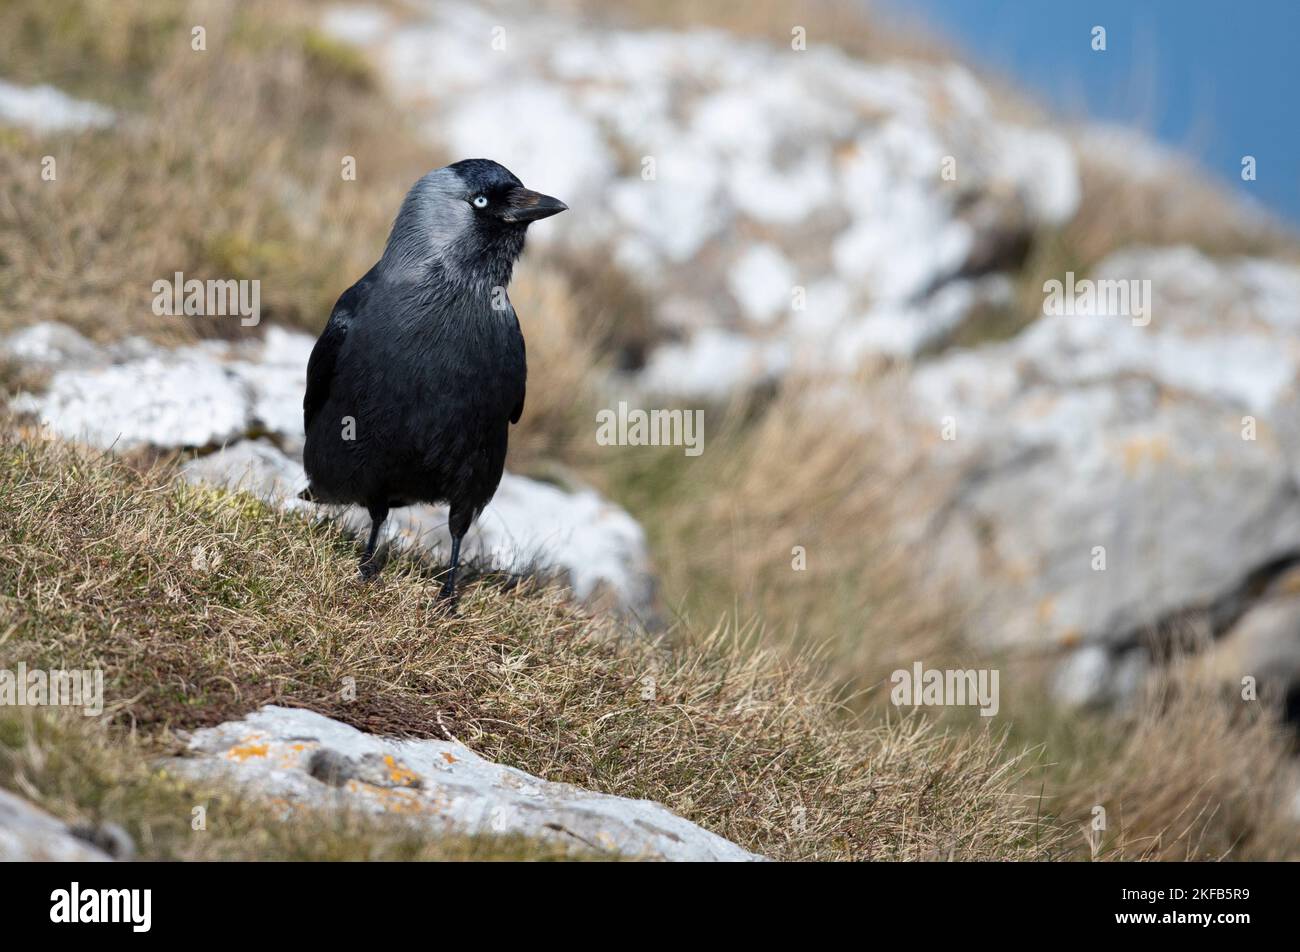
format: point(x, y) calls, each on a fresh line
point(851, 27)
point(789, 517)
point(86, 48)
point(564, 369)
point(336, 60)
point(97, 568)
point(1182, 207)
point(1188, 773)
point(224, 164)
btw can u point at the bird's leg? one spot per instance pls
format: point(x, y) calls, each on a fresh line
point(369, 565)
point(448, 590)
point(457, 524)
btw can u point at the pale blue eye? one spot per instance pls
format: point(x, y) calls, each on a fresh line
point(480, 201)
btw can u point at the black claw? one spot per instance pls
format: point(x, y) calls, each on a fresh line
point(448, 602)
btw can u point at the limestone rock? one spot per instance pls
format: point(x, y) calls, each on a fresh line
point(44, 109)
point(136, 393)
point(305, 760)
point(29, 834)
point(1108, 473)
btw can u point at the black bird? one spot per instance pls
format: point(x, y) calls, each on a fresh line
point(413, 384)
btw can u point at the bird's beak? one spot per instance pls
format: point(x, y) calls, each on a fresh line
point(525, 205)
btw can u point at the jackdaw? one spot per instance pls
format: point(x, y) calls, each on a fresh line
point(413, 384)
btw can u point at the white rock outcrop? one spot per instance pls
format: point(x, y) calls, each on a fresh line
point(1110, 471)
point(47, 109)
point(134, 393)
point(182, 399)
point(30, 835)
point(730, 178)
point(303, 760)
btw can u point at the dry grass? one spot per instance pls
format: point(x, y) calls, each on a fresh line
point(225, 164)
point(97, 569)
point(1121, 209)
point(564, 367)
point(789, 518)
point(851, 27)
point(1188, 773)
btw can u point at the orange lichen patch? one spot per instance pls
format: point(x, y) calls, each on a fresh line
point(846, 151)
point(1139, 450)
point(245, 751)
point(405, 802)
point(285, 806)
point(290, 755)
point(1071, 638)
point(1046, 608)
point(448, 757)
point(398, 773)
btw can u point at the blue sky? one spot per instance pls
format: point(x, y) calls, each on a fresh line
point(1213, 78)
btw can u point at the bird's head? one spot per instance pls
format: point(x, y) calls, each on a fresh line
point(498, 198)
point(469, 218)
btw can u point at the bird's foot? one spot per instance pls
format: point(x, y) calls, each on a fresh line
point(449, 600)
point(369, 570)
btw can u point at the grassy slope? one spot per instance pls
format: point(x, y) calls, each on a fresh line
point(97, 569)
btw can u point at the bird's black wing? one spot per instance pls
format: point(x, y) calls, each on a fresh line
point(324, 356)
point(518, 411)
